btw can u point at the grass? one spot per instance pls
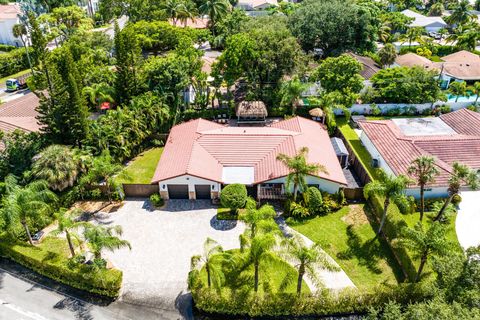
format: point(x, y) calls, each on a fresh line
point(273, 277)
point(141, 168)
point(347, 236)
point(2, 80)
point(354, 141)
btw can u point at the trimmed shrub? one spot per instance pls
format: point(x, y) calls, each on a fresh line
point(234, 196)
point(13, 62)
point(313, 200)
point(299, 211)
point(156, 200)
point(456, 199)
point(106, 282)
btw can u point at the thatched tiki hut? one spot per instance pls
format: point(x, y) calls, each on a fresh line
point(317, 114)
point(251, 111)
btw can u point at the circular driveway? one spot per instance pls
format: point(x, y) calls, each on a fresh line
point(163, 241)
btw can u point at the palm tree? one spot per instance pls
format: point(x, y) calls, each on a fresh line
point(104, 169)
point(458, 89)
point(461, 13)
point(174, 9)
point(412, 34)
point(436, 10)
point(384, 33)
point(461, 175)
point(57, 165)
point(189, 12)
point(25, 205)
point(215, 9)
point(424, 170)
point(476, 90)
point(306, 259)
point(253, 217)
point(299, 169)
point(104, 238)
point(212, 258)
point(424, 243)
point(260, 250)
point(20, 31)
point(68, 224)
point(291, 91)
point(98, 93)
point(387, 55)
point(390, 187)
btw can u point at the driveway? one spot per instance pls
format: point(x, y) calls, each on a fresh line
point(467, 223)
point(163, 241)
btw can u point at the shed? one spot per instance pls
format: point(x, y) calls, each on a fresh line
point(251, 111)
point(340, 150)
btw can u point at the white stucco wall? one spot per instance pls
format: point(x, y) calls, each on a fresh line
point(367, 143)
point(6, 33)
point(440, 192)
point(324, 185)
point(191, 181)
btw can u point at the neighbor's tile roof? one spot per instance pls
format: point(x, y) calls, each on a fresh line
point(369, 67)
point(9, 11)
point(20, 113)
point(399, 150)
point(202, 148)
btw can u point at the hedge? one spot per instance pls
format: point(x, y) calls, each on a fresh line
point(394, 223)
point(106, 282)
point(13, 62)
point(7, 48)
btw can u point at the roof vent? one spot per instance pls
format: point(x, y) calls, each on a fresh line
point(244, 131)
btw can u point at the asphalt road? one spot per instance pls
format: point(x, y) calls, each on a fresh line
point(27, 296)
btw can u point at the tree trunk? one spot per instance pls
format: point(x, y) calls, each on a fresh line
point(98, 254)
point(476, 99)
point(27, 231)
point(28, 54)
point(301, 272)
point(295, 191)
point(422, 201)
point(384, 216)
point(70, 244)
point(444, 207)
point(107, 185)
point(256, 265)
point(423, 260)
point(209, 281)
point(456, 100)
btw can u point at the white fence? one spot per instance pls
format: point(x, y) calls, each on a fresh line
point(385, 107)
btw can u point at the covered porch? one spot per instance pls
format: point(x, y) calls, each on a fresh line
point(271, 191)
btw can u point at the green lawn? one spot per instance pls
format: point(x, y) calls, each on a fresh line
point(347, 236)
point(142, 168)
point(2, 80)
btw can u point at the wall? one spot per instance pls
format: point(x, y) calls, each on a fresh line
point(191, 181)
point(324, 185)
point(374, 153)
point(139, 190)
point(6, 34)
point(384, 107)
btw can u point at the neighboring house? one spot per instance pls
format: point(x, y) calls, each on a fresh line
point(190, 93)
point(201, 156)
point(256, 5)
point(431, 24)
point(8, 18)
point(394, 144)
point(369, 68)
point(197, 23)
point(458, 66)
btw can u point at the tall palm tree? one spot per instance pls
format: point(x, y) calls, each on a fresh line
point(424, 170)
point(412, 34)
point(57, 165)
point(174, 9)
point(384, 33)
point(25, 205)
point(253, 217)
point(20, 31)
point(260, 249)
point(216, 10)
point(461, 175)
point(306, 259)
point(189, 12)
point(213, 258)
point(390, 187)
point(476, 90)
point(299, 169)
point(424, 243)
point(458, 89)
point(291, 91)
point(104, 238)
point(461, 13)
point(387, 55)
point(68, 224)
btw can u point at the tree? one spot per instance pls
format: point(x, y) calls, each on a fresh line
point(334, 26)
point(290, 93)
point(306, 259)
point(254, 217)
point(234, 196)
point(313, 200)
point(424, 243)
point(57, 165)
point(424, 170)
point(103, 170)
point(476, 90)
point(67, 223)
point(104, 238)
point(436, 10)
point(20, 31)
point(413, 34)
point(458, 89)
point(299, 169)
point(231, 24)
point(390, 188)
point(37, 37)
point(461, 13)
point(260, 250)
point(387, 55)
point(26, 205)
point(213, 257)
point(216, 10)
point(461, 175)
point(98, 93)
point(66, 21)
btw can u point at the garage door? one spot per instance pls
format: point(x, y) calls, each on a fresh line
point(178, 191)
point(202, 191)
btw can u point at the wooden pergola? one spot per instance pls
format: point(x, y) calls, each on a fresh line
point(251, 112)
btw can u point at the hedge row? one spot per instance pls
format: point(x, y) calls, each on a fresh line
point(394, 223)
point(320, 304)
point(7, 47)
point(106, 282)
point(13, 62)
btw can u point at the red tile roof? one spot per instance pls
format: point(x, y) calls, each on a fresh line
point(399, 150)
point(9, 11)
point(20, 113)
point(202, 148)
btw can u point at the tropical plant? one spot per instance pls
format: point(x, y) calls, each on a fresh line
point(104, 238)
point(423, 169)
point(461, 175)
point(213, 259)
point(390, 188)
point(413, 34)
point(216, 10)
point(458, 89)
point(313, 200)
point(424, 243)
point(290, 93)
point(97, 93)
point(67, 223)
point(387, 55)
point(476, 90)
point(102, 171)
point(254, 217)
point(26, 205)
point(461, 13)
point(306, 259)
point(260, 250)
point(299, 169)
point(20, 31)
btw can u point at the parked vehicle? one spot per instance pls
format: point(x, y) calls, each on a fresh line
point(37, 236)
point(18, 83)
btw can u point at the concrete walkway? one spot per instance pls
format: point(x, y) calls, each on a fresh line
point(334, 280)
point(467, 224)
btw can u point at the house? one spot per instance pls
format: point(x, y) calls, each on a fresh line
point(431, 24)
point(8, 18)
point(369, 67)
point(197, 23)
point(394, 144)
point(256, 5)
point(459, 66)
point(200, 157)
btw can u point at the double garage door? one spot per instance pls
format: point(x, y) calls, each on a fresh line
point(180, 191)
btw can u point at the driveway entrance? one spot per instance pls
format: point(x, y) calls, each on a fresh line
point(467, 224)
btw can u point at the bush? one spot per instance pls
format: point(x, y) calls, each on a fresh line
point(375, 110)
point(456, 199)
point(234, 196)
point(156, 200)
point(52, 265)
point(445, 109)
point(7, 48)
point(427, 112)
point(313, 200)
point(299, 211)
point(13, 62)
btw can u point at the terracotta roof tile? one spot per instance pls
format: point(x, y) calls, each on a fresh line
point(20, 113)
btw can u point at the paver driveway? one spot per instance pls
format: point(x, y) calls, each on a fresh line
point(163, 241)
